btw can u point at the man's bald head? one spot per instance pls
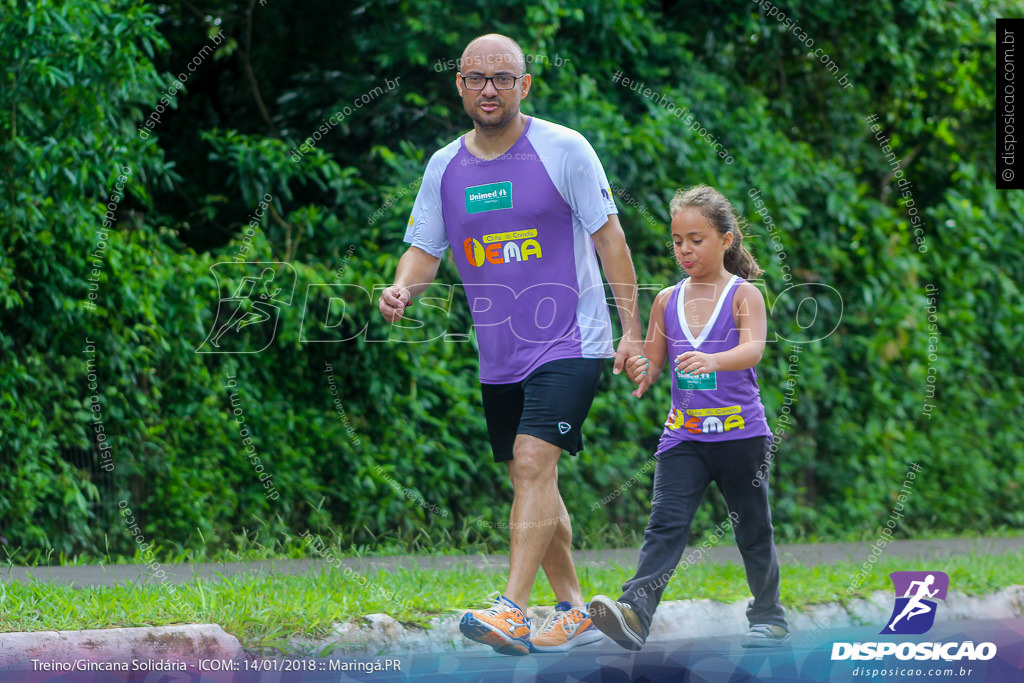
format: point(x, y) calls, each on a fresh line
point(493, 50)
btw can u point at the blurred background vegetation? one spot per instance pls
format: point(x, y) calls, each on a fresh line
point(406, 437)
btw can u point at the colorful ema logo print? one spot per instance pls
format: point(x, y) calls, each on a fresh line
point(916, 593)
point(503, 247)
point(707, 420)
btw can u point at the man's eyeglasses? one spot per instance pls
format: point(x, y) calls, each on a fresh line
point(501, 81)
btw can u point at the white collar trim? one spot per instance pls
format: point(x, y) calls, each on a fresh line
point(696, 342)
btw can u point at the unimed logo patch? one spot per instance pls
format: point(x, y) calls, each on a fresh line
point(489, 197)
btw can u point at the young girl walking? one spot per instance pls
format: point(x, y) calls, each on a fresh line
point(713, 326)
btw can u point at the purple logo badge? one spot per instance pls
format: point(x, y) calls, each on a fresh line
point(916, 595)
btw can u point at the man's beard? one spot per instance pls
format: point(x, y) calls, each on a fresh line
point(492, 123)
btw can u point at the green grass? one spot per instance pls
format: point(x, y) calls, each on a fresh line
point(266, 611)
point(253, 545)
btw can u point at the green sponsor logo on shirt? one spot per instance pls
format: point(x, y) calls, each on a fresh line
point(490, 197)
point(696, 382)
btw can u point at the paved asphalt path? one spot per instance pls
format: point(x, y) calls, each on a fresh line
point(803, 554)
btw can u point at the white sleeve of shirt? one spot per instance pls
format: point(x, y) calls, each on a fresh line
point(426, 222)
point(577, 173)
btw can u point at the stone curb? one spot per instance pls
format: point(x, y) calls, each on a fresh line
point(150, 647)
point(380, 634)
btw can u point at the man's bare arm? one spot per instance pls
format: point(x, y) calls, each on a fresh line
point(416, 270)
point(610, 242)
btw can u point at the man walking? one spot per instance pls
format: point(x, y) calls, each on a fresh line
point(526, 207)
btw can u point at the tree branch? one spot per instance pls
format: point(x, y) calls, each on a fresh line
point(904, 162)
point(289, 247)
point(251, 74)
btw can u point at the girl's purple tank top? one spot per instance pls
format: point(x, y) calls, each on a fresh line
point(721, 406)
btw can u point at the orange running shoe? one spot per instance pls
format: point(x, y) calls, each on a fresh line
point(503, 626)
point(566, 628)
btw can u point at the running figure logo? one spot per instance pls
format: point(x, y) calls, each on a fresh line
point(257, 290)
point(914, 612)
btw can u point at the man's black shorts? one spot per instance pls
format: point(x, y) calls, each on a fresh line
point(550, 404)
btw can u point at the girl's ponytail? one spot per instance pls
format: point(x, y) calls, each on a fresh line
point(739, 260)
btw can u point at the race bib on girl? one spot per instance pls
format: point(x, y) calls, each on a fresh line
point(686, 382)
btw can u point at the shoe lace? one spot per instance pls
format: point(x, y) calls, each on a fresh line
point(565, 619)
point(549, 623)
point(498, 606)
point(764, 629)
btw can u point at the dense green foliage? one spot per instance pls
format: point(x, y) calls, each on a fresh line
point(378, 438)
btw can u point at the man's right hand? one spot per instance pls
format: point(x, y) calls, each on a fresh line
point(393, 301)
